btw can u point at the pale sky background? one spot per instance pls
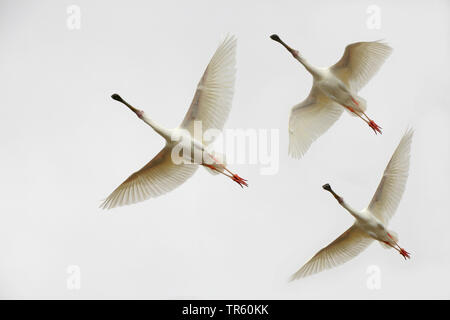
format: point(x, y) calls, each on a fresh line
point(66, 145)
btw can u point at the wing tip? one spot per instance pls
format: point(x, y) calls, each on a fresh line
point(409, 131)
point(386, 47)
point(106, 204)
point(295, 154)
point(305, 271)
point(295, 276)
point(407, 136)
point(229, 40)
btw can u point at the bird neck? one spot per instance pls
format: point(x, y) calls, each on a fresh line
point(347, 207)
point(309, 67)
point(344, 204)
point(165, 133)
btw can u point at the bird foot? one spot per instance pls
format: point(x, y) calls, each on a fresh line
point(404, 253)
point(376, 128)
point(242, 182)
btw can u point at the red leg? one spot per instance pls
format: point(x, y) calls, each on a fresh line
point(376, 128)
point(351, 109)
point(400, 250)
point(242, 182)
point(405, 253)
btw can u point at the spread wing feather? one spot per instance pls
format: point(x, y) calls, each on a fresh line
point(347, 246)
point(360, 62)
point(157, 177)
point(212, 100)
point(392, 185)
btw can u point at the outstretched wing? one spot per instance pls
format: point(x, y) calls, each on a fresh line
point(157, 177)
point(309, 120)
point(360, 62)
point(212, 100)
point(390, 190)
point(347, 246)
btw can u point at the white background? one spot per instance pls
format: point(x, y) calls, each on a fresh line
point(65, 145)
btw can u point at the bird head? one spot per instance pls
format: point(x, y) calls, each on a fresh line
point(138, 112)
point(327, 187)
point(116, 97)
point(276, 38)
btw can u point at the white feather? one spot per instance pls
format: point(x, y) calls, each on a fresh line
point(347, 246)
point(370, 223)
point(392, 185)
point(157, 177)
point(211, 105)
point(339, 84)
point(212, 100)
point(360, 62)
point(309, 120)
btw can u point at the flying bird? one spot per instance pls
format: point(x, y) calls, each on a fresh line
point(173, 165)
point(370, 223)
point(334, 89)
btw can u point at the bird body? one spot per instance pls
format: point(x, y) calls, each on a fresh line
point(334, 89)
point(364, 219)
point(184, 151)
point(370, 223)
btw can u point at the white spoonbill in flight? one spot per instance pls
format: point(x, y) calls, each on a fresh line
point(370, 223)
point(210, 106)
point(334, 89)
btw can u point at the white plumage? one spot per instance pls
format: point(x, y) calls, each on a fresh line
point(360, 62)
point(157, 177)
point(347, 246)
point(309, 120)
point(392, 185)
point(214, 94)
point(210, 107)
point(370, 223)
point(334, 89)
